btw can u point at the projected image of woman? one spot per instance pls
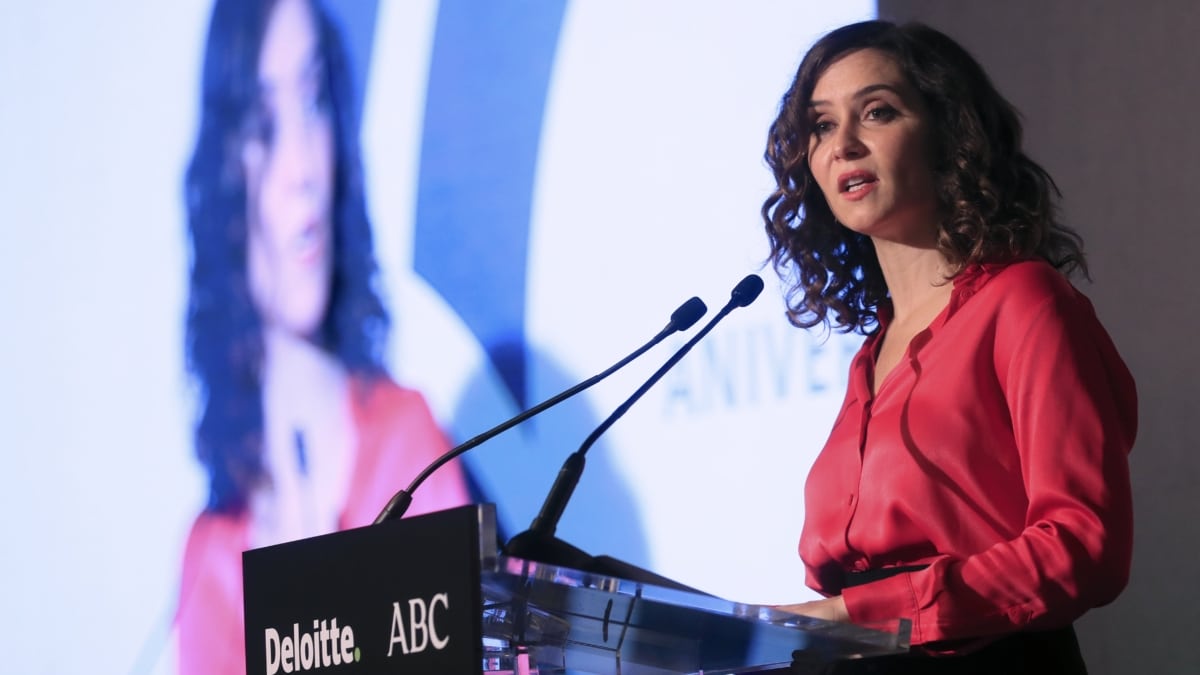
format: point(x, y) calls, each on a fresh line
point(976, 480)
point(299, 427)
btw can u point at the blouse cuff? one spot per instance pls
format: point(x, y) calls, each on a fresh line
point(884, 600)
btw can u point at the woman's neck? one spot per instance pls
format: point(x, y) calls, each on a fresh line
point(302, 384)
point(916, 277)
point(295, 364)
point(309, 440)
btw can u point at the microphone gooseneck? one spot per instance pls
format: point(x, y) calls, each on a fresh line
point(683, 318)
point(538, 542)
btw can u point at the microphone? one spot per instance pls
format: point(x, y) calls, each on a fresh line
point(539, 542)
point(683, 318)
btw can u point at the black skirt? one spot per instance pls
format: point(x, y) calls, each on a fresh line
point(1032, 653)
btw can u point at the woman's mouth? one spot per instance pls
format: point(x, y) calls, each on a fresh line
point(855, 185)
point(309, 244)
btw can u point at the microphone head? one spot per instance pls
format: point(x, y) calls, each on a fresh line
point(747, 290)
point(688, 314)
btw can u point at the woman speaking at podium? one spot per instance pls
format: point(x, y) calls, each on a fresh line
point(300, 429)
point(976, 479)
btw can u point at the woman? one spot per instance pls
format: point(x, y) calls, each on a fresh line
point(976, 480)
point(300, 429)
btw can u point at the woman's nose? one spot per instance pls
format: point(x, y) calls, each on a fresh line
point(296, 157)
point(847, 144)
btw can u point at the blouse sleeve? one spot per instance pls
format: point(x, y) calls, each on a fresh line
point(1073, 411)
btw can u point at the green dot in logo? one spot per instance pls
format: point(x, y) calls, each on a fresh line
point(357, 654)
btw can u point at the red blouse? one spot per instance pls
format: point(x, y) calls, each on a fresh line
point(995, 452)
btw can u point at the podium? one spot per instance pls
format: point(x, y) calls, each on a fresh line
point(432, 595)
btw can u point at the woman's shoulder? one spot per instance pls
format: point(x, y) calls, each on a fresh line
point(1023, 284)
point(380, 395)
point(389, 414)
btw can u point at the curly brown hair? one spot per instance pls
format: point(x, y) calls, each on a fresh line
point(997, 204)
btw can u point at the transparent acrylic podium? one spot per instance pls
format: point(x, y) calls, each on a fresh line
point(559, 620)
point(431, 594)
point(553, 619)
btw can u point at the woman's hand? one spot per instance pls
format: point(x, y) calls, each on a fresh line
point(827, 609)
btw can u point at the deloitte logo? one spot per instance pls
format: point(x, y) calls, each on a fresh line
point(325, 646)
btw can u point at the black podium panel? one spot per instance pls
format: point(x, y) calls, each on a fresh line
point(399, 597)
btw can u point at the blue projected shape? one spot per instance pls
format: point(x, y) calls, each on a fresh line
point(488, 77)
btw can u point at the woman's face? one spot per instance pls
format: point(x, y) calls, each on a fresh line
point(870, 149)
point(288, 161)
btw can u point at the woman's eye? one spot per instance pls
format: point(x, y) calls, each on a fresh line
point(260, 126)
point(883, 113)
point(314, 92)
point(314, 102)
point(821, 127)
